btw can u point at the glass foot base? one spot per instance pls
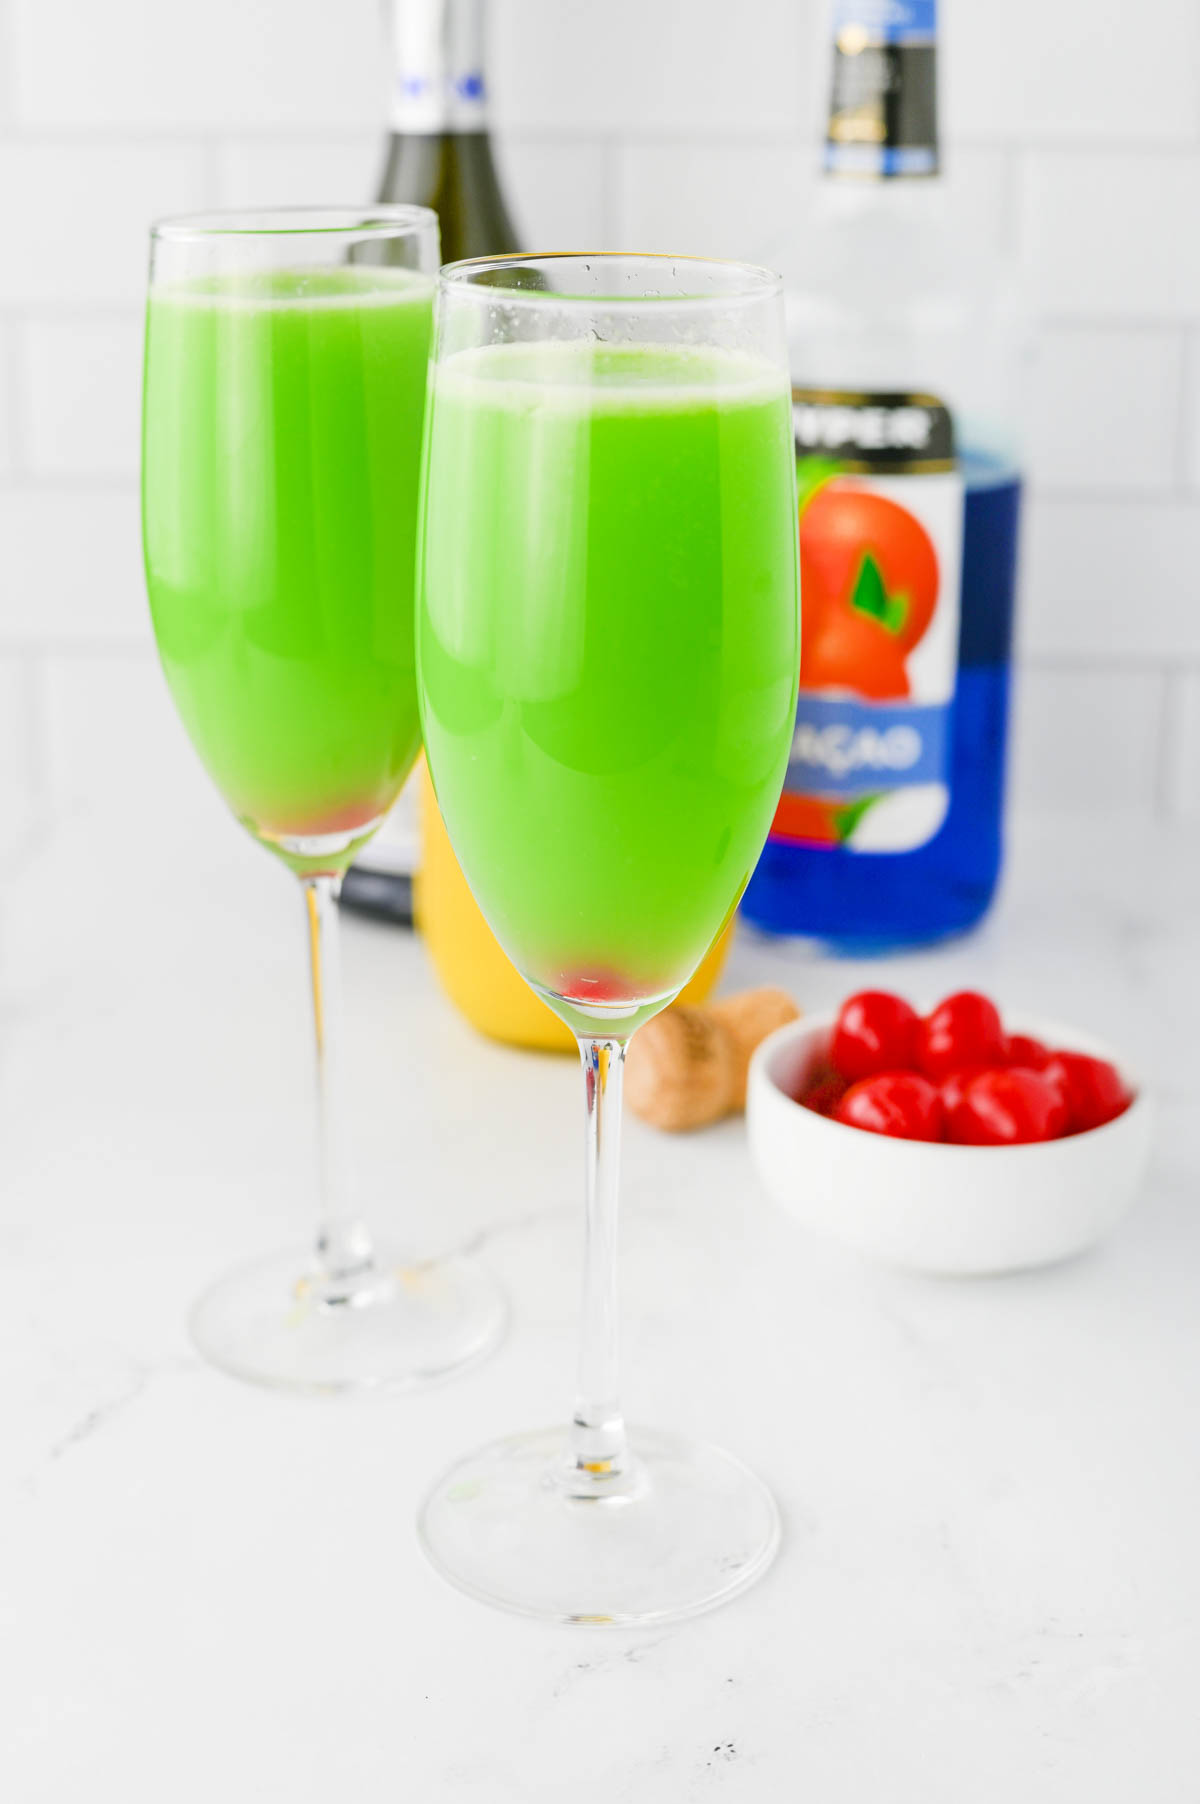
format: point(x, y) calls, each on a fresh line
point(688, 1528)
point(395, 1324)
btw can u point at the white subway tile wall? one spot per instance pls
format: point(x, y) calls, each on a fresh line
point(74, 212)
point(198, 66)
point(1086, 740)
point(1114, 579)
point(8, 357)
point(1116, 434)
point(662, 68)
point(72, 571)
point(18, 755)
point(82, 382)
point(737, 199)
point(559, 191)
point(1061, 71)
point(1074, 136)
point(103, 711)
point(1111, 233)
point(1182, 760)
point(1191, 408)
point(293, 169)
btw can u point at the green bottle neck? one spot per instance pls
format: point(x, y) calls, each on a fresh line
point(439, 83)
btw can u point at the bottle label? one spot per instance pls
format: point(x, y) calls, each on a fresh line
point(439, 84)
point(881, 511)
point(883, 104)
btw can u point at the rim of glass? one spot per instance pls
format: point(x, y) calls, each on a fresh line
point(382, 221)
point(753, 281)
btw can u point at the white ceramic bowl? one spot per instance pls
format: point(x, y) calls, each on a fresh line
point(956, 1210)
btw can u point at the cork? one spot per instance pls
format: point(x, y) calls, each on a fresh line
point(688, 1066)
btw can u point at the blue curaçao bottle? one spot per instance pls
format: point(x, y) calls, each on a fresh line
point(905, 346)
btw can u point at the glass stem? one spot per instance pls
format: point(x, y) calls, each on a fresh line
point(343, 1249)
point(599, 1450)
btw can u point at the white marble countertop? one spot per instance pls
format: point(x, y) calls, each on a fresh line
point(989, 1589)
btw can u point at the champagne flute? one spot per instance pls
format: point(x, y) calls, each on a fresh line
point(286, 359)
point(607, 652)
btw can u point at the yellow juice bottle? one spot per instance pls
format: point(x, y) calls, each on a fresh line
point(474, 971)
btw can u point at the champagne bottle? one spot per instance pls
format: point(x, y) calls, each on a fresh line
point(438, 155)
point(439, 152)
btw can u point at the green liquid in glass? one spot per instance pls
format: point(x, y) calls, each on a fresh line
point(608, 643)
point(281, 463)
